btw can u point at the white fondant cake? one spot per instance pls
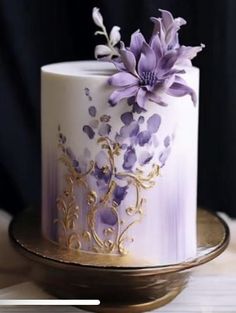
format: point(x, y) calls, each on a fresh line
point(115, 182)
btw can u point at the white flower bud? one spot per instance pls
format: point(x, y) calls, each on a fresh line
point(115, 35)
point(102, 50)
point(97, 17)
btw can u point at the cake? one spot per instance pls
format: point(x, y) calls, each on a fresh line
point(119, 150)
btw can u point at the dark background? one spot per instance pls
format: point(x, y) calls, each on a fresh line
point(37, 32)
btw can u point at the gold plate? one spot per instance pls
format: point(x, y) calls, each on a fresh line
point(120, 289)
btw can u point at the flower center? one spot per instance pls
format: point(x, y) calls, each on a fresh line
point(149, 78)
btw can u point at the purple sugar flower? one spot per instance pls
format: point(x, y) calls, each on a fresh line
point(148, 70)
point(119, 193)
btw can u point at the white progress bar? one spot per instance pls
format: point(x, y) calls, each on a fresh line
point(48, 302)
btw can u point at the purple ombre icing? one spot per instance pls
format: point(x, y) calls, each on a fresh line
point(120, 172)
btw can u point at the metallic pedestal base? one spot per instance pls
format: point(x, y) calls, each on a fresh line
point(120, 289)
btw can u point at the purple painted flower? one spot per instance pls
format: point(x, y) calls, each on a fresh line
point(145, 157)
point(130, 130)
point(129, 158)
point(102, 169)
point(164, 156)
point(119, 194)
point(104, 129)
point(89, 131)
point(153, 123)
point(127, 118)
point(167, 141)
point(148, 70)
point(92, 111)
point(102, 174)
point(141, 120)
point(144, 137)
point(108, 217)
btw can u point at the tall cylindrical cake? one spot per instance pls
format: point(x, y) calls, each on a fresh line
point(119, 184)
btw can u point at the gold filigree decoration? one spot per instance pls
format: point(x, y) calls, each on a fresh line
point(113, 239)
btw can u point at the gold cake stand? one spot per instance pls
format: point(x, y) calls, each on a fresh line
point(120, 289)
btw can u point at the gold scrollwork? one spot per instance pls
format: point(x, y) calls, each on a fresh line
point(113, 239)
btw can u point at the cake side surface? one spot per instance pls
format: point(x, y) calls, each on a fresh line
point(117, 182)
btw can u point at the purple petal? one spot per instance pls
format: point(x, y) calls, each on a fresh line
point(154, 97)
point(168, 60)
point(141, 120)
point(108, 217)
point(101, 159)
point(157, 47)
point(147, 61)
point(123, 79)
point(128, 59)
point(119, 194)
point(127, 118)
point(167, 141)
point(143, 137)
point(164, 156)
point(129, 158)
point(145, 157)
point(118, 64)
point(188, 52)
point(167, 18)
point(158, 29)
point(104, 129)
point(136, 43)
point(130, 130)
point(135, 107)
point(153, 123)
point(180, 89)
point(89, 131)
point(121, 94)
point(92, 111)
point(141, 97)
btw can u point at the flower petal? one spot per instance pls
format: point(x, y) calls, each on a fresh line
point(141, 97)
point(145, 157)
point(130, 158)
point(179, 89)
point(123, 79)
point(115, 35)
point(97, 17)
point(153, 123)
point(136, 43)
point(189, 52)
point(156, 46)
point(101, 51)
point(168, 61)
point(167, 18)
point(119, 193)
point(154, 97)
point(128, 58)
point(158, 28)
point(147, 61)
point(123, 93)
point(127, 118)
